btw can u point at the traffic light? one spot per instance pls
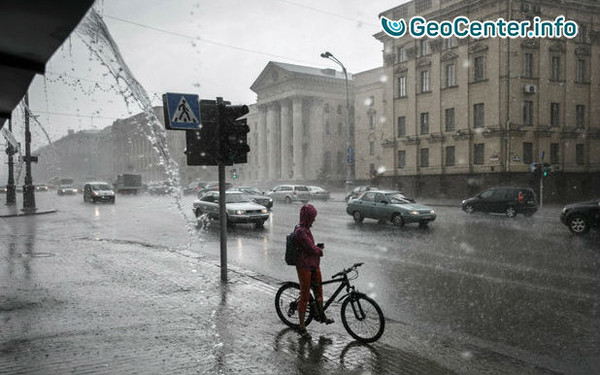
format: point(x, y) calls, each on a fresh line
point(537, 171)
point(202, 147)
point(233, 134)
point(234, 174)
point(547, 169)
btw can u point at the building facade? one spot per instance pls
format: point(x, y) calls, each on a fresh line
point(469, 113)
point(298, 126)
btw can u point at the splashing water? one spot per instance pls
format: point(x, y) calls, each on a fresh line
point(95, 35)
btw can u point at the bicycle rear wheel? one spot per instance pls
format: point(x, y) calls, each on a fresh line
point(362, 317)
point(286, 305)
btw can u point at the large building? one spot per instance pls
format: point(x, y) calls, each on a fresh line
point(469, 113)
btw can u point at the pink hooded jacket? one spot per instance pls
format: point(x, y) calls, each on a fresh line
point(310, 254)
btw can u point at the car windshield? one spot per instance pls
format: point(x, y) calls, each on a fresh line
point(101, 187)
point(397, 198)
point(236, 198)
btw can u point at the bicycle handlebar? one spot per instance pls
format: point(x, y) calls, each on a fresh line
point(347, 270)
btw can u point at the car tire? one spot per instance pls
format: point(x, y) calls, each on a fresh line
point(288, 200)
point(511, 211)
point(468, 209)
point(358, 217)
point(578, 224)
point(397, 220)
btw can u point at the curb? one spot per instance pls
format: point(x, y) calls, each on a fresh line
point(28, 213)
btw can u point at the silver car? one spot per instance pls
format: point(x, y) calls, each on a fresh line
point(239, 208)
point(290, 193)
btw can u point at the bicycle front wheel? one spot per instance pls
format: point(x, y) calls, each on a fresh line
point(286, 304)
point(362, 317)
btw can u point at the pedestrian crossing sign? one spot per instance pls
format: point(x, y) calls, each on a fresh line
point(182, 111)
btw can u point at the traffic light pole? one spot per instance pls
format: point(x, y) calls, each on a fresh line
point(222, 209)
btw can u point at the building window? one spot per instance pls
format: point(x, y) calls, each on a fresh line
point(449, 156)
point(424, 47)
point(424, 157)
point(479, 149)
point(555, 72)
point(327, 127)
point(527, 152)
point(400, 54)
point(401, 126)
point(478, 115)
point(450, 75)
point(327, 162)
point(554, 153)
point(371, 119)
point(340, 161)
point(479, 68)
point(425, 123)
point(340, 127)
point(449, 119)
point(371, 148)
point(580, 78)
point(579, 154)
point(402, 86)
point(528, 112)
point(554, 114)
point(580, 116)
point(450, 42)
point(528, 65)
point(401, 161)
point(425, 81)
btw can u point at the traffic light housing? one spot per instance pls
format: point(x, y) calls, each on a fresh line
point(538, 170)
point(202, 147)
point(233, 134)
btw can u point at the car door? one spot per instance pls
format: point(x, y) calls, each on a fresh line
point(368, 203)
point(381, 209)
point(485, 201)
point(210, 204)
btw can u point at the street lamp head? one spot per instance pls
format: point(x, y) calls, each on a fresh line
point(326, 55)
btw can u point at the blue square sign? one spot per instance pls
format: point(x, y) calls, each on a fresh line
point(182, 111)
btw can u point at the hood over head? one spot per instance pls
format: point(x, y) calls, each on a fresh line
point(308, 213)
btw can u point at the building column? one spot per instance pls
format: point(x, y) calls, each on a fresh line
point(298, 139)
point(263, 164)
point(286, 141)
point(272, 149)
point(315, 140)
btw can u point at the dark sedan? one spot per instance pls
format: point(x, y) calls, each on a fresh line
point(581, 216)
point(255, 195)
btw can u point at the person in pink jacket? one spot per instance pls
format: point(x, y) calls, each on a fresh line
point(307, 266)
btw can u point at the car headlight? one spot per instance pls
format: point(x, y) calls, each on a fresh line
point(264, 211)
point(95, 194)
point(414, 212)
point(432, 212)
point(239, 212)
point(564, 210)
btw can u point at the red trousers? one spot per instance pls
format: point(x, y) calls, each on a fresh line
point(308, 278)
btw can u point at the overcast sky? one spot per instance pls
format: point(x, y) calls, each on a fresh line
point(212, 48)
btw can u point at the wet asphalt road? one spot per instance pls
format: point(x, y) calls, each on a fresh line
point(522, 287)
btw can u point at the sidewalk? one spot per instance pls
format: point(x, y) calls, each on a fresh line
point(108, 306)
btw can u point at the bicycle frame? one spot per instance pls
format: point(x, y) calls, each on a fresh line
point(344, 282)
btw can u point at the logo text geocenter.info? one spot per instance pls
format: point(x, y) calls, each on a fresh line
point(462, 27)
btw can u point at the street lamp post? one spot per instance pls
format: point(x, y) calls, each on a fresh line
point(349, 135)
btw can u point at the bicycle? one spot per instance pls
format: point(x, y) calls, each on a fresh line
point(361, 315)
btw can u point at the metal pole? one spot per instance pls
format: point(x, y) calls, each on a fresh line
point(28, 188)
point(11, 194)
point(222, 210)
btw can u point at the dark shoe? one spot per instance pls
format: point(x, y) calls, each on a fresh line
point(304, 333)
point(326, 320)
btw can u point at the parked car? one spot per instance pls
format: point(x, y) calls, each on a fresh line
point(193, 188)
point(508, 200)
point(290, 193)
point(41, 187)
point(240, 209)
point(319, 193)
point(581, 216)
point(98, 192)
point(357, 191)
point(159, 188)
point(66, 190)
point(255, 195)
point(389, 205)
point(212, 186)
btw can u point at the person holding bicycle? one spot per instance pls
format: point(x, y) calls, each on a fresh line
point(308, 267)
